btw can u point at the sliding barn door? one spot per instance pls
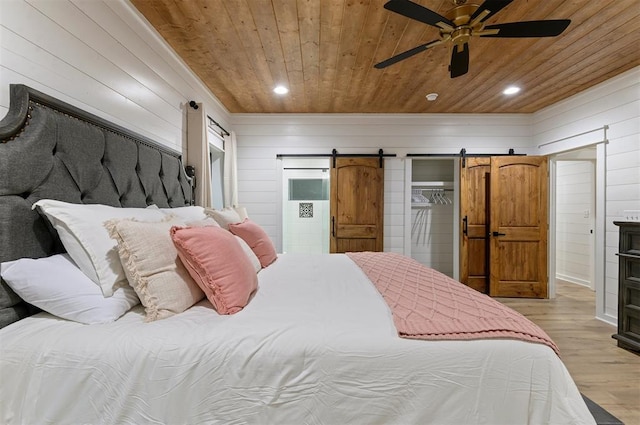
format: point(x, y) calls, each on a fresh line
point(518, 226)
point(503, 241)
point(357, 188)
point(474, 243)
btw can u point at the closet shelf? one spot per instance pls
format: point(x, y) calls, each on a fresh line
point(433, 184)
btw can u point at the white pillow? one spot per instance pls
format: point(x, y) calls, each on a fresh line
point(56, 285)
point(81, 230)
point(186, 214)
point(253, 258)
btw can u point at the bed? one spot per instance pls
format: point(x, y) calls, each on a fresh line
point(317, 343)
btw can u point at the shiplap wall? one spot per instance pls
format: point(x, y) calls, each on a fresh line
point(100, 56)
point(394, 201)
point(575, 181)
point(262, 137)
point(616, 104)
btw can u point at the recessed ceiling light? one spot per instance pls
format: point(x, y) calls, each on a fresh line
point(281, 90)
point(432, 96)
point(511, 90)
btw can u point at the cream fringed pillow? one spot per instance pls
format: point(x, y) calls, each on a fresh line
point(152, 266)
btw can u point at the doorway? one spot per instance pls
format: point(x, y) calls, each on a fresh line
point(575, 216)
point(305, 205)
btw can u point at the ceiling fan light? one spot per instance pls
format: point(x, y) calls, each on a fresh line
point(280, 90)
point(511, 90)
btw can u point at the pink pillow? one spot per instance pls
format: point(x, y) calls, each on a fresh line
point(257, 239)
point(215, 260)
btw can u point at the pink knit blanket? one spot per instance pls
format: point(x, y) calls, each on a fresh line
point(427, 304)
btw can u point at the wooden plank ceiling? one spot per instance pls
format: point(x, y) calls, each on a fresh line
point(324, 52)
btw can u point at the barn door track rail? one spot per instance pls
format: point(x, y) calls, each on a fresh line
point(464, 155)
point(334, 154)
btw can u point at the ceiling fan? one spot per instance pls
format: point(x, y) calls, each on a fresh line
point(466, 20)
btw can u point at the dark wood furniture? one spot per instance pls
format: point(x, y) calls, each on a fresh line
point(628, 335)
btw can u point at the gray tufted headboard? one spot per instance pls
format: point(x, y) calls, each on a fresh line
point(52, 150)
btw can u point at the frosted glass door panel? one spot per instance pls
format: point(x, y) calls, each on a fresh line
point(305, 205)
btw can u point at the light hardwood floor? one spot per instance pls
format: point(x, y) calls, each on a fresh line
point(606, 374)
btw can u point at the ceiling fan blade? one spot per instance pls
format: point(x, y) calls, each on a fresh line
point(459, 60)
point(405, 55)
point(549, 28)
point(492, 7)
point(419, 13)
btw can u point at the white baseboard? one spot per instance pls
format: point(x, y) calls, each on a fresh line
point(613, 321)
point(572, 279)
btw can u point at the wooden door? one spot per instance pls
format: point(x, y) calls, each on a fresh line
point(474, 243)
point(357, 188)
point(518, 226)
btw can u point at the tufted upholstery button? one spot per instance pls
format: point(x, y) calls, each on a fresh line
point(55, 148)
point(25, 195)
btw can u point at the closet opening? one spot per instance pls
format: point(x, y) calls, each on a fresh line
point(432, 236)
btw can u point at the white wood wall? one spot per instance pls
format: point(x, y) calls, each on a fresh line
point(394, 201)
point(575, 183)
point(100, 56)
point(616, 104)
point(262, 137)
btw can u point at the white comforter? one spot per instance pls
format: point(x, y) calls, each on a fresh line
point(316, 345)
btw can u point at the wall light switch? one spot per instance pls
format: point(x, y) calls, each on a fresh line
point(587, 213)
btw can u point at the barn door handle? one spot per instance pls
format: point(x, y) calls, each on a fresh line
point(499, 234)
point(465, 230)
point(333, 227)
